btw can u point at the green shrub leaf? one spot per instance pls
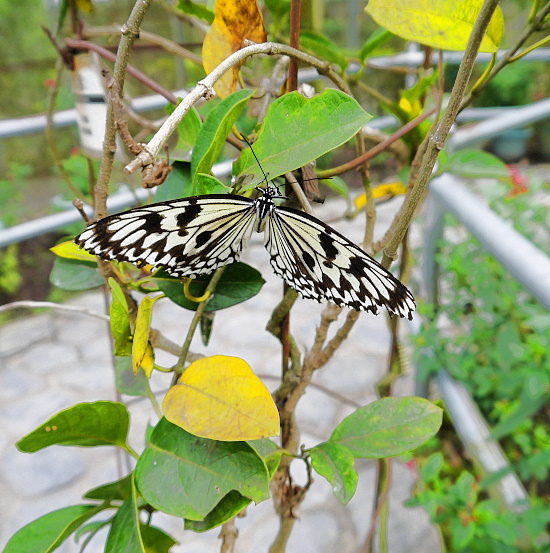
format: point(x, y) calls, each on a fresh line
point(46, 533)
point(335, 463)
point(296, 131)
point(187, 476)
point(238, 283)
point(73, 275)
point(388, 427)
point(84, 424)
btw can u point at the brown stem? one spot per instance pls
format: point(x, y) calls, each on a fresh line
point(142, 77)
point(373, 152)
point(130, 32)
point(295, 9)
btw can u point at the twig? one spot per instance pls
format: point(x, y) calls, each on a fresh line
point(130, 32)
point(164, 43)
point(373, 152)
point(51, 305)
point(204, 88)
point(229, 535)
point(108, 55)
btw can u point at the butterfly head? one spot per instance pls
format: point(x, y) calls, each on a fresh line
point(271, 191)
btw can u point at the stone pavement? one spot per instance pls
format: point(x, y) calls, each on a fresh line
point(54, 360)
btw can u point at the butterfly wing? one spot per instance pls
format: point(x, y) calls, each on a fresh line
point(321, 264)
point(185, 237)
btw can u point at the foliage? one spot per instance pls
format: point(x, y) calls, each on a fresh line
point(210, 454)
point(495, 340)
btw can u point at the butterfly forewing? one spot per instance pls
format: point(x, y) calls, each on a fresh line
point(322, 264)
point(197, 235)
point(185, 237)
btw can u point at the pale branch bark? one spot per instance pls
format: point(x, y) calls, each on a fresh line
point(130, 32)
point(436, 141)
point(204, 89)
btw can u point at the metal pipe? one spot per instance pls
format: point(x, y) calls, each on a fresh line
point(516, 117)
point(521, 258)
point(116, 202)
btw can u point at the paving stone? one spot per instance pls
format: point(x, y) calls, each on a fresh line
point(32, 475)
point(16, 381)
point(20, 335)
point(46, 357)
point(20, 417)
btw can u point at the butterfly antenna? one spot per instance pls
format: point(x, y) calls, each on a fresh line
point(257, 160)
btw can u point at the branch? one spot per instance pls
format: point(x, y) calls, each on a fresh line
point(204, 89)
point(51, 305)
point(130, 31)
point(436, 141)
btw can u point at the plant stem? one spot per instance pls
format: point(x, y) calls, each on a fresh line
point(130, 31)
point(179, 366)
point(204, 89)
point(435, 142)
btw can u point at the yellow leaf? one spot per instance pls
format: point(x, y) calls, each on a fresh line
point(142, 352)
point(71, 251)
point(220, 398)
point(445, 24)
point(389, 189)
point(381, 191)
point(234, 21)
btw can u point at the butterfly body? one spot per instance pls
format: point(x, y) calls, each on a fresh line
point(196, 235)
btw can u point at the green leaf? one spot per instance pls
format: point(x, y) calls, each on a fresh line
point(74, 275)
point(269, 451)
point(238, 283)
point(473, 164)
point(156, 540)
point(432, 467)
point(335, 463)
point(196, 10)
point(232, 504)
point(338, 185)
point(113, 491)
point(124, 536)
point(207, 184)
point(84, 424)
point(320, 46)
point(388, 427)
point(214, 131)
point(46, 533)
point(178, 184)
point(126, 381)
point(206, 326)
point(120, 320)
point(296, 131)
point(377, 38)
point(187, 476)
point(188, 130)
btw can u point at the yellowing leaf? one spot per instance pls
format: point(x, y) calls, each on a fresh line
point(234, 21)
point(120, 320)
point(220, 398)
point(445, 24)
point(142, 352)
point(71, 251)
point(381, 191)
point(389, 189)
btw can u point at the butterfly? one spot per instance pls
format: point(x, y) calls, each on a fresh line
point(196, 235)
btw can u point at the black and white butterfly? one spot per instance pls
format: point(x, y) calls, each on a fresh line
point(196, 235)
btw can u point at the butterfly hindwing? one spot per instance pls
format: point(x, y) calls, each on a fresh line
point(185, 237)
point(321, 264)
